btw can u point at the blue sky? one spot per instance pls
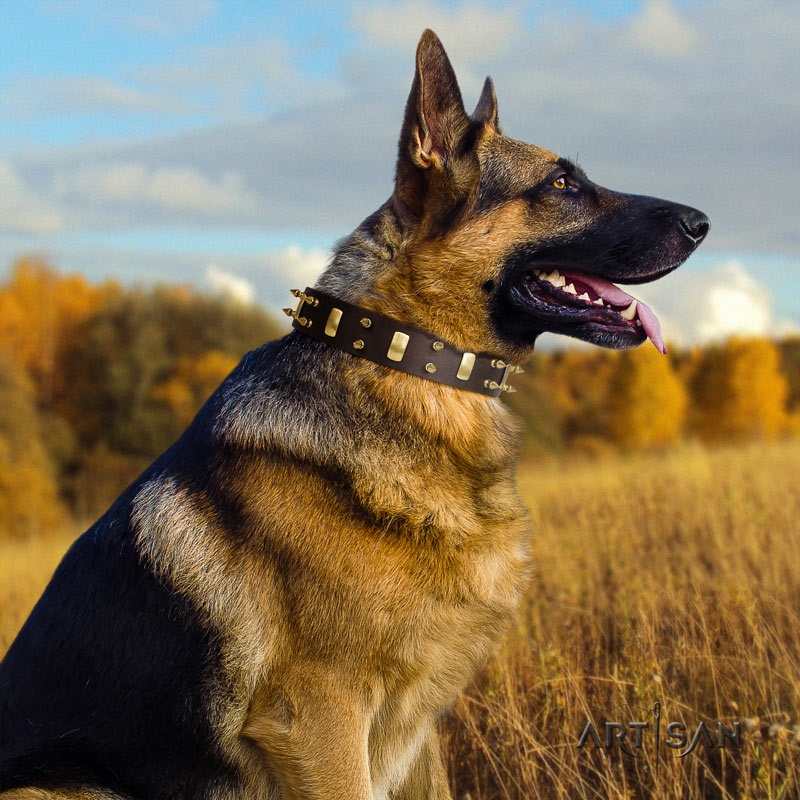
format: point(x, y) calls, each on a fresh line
point(230, 144)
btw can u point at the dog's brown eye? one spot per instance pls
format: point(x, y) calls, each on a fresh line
point(560, 182)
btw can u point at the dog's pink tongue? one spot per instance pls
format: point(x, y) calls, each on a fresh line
point(614, 295)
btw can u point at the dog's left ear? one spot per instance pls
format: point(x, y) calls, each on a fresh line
point(434, 128)
point(486, 110)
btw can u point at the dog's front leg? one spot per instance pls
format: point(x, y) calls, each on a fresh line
point(314, 734)
point(427, 778)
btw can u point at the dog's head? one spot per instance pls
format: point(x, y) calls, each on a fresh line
point(503, 240)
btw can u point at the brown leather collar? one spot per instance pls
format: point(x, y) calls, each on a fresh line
point(396, 345)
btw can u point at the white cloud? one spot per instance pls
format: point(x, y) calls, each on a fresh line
point(20, 210)
point(62, 95)
point(238, 78)
point(736, 304)
point(229, 285)
point(660, 29)
point(173, 188)
point(472, 31)
point(709, 306)
point(297, 266)
point(188, 188)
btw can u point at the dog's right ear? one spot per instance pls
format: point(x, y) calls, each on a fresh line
point(434, 126)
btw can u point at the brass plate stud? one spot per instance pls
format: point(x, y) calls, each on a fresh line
point(332, 325)
point(397, 349)
point(465, 368)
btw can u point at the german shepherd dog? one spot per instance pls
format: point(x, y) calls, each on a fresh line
point(285, 601)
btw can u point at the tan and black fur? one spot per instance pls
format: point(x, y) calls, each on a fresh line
point(283, 604)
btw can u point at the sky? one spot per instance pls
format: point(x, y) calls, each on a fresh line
point(229, 145)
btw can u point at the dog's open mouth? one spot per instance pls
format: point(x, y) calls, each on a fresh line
point(579, 298)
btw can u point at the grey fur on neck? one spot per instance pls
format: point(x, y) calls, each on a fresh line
point(362, 257)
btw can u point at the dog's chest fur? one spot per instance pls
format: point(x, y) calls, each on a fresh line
point(386, 550)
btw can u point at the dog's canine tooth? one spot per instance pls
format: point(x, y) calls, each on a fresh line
point(629, 312)
point(570, 289)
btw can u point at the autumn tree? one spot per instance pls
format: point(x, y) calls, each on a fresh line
point(790, 367)
point(115, 374)
point(647, 401)
point(40, 312)
point(578, 382)
point(192, 382)
point(29, 501)
point(738, 391)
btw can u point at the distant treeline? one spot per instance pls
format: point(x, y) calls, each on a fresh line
point(594, 400)
point(96, 380)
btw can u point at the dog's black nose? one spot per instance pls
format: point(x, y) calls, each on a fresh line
point(694, 224)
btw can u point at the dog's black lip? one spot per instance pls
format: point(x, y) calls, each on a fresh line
point(567, 308)
point(564, 310)
point(601, 318)
point(635, 281)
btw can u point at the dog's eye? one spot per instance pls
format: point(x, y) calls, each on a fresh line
point(560, 182)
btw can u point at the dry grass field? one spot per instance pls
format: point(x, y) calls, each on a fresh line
point(671, 578)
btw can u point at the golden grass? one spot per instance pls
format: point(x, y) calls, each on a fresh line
point(26, 566)
point(671, 577)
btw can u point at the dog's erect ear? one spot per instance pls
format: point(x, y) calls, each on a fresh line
point(486, 110)
point(435, 114)
point(434, 126)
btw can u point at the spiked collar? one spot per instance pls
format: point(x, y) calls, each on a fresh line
point(394, 344)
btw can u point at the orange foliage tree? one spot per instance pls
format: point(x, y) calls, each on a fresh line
point(578, 383)
point(29, 501)
point(193, 380)
point(647, 400)
point(739, 391)
point(114, 373)
point(41, 311)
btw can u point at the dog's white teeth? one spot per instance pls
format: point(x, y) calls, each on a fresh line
point(570, 289)
point(555, 278)
point(599, 301)
point(584, 296)
point(629, 312)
